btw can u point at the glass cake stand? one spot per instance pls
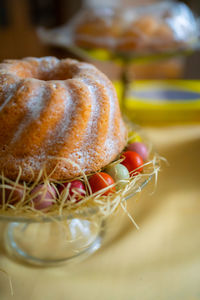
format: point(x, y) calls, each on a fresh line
point(124, 60)
point(48, 241)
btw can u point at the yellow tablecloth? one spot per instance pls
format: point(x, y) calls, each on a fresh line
point(160, 261)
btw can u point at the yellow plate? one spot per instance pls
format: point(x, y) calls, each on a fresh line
point(162, 101)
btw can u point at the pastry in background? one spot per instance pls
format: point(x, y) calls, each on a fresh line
point(98, 30)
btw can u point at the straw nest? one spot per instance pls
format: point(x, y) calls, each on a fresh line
point(90, 203)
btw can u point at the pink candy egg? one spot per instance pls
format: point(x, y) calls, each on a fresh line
point(12, 194)
point(140, 148)
point(43, 196)
point(76, 189)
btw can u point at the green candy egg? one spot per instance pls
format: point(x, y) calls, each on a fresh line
point(118, 172)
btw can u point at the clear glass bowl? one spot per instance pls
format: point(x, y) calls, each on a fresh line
point(47, 241)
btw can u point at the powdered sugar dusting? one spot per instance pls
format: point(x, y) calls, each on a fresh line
point(84, 155)
point(68, 106)
point(7, 99)
point(35, 104)
point(8, 90)
point(97, 92)
point(110, 141)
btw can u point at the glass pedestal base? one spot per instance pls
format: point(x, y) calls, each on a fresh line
point(53, 243)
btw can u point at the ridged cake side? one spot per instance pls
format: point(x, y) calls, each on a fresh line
point(52, 110)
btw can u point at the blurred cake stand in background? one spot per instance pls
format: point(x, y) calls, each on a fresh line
point(129, 35)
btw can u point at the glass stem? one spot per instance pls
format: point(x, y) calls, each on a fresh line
point(124, 78)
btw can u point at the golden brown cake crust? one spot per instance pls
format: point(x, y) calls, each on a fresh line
point(54, 112)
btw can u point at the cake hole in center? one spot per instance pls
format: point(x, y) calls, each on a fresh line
point(54, 75)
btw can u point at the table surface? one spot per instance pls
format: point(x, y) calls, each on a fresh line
point(162, 259)
point(159, 261)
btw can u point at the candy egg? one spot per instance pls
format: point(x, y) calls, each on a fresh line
point(76, 189)
point(43, 196)
point(132, 160)
point(140, 148)
point(12, 194)
point(100, 181)
point(118, 172)
point(134, 137)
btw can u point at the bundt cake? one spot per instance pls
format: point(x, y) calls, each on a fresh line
point(61, 115)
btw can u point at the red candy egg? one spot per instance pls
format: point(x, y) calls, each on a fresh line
point(132, 160)
point(100, 181)
point(76, 189)
point(43, 196)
